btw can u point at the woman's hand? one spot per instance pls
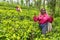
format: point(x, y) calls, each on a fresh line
point(51, 15)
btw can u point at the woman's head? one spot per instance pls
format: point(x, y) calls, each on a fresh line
point(17, 6)
point(43, 11)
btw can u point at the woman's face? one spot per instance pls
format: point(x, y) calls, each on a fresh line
point(43, 11)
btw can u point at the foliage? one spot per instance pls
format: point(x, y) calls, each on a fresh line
point(20, 26)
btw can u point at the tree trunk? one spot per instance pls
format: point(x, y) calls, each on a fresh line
point(21, 2)
point(17, 1)
point(43, 3)
point(38, 4)
point(27, 3)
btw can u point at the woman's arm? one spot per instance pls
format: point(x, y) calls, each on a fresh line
point(35, 18)
point(50, 19)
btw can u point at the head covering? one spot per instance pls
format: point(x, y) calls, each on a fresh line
point(43, 9)
point(17, 6)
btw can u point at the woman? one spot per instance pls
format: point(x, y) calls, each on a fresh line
point(43, 20)
point(18, 9)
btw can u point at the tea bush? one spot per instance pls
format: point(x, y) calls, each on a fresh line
point(20, 26)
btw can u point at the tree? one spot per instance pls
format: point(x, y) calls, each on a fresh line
point(52, 5)
point(11, 1)
point(57, 7)
point(21, 2)
point(28, 3)
point(4, 0)
point(37, 3)
point(17, 1)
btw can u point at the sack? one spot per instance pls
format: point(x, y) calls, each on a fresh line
point(49, 27)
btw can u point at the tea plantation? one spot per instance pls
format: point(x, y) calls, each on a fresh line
point(20, 25)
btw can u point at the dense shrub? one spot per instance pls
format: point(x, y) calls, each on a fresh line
point(20, 26)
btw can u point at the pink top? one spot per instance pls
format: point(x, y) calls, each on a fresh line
point(43, 18)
